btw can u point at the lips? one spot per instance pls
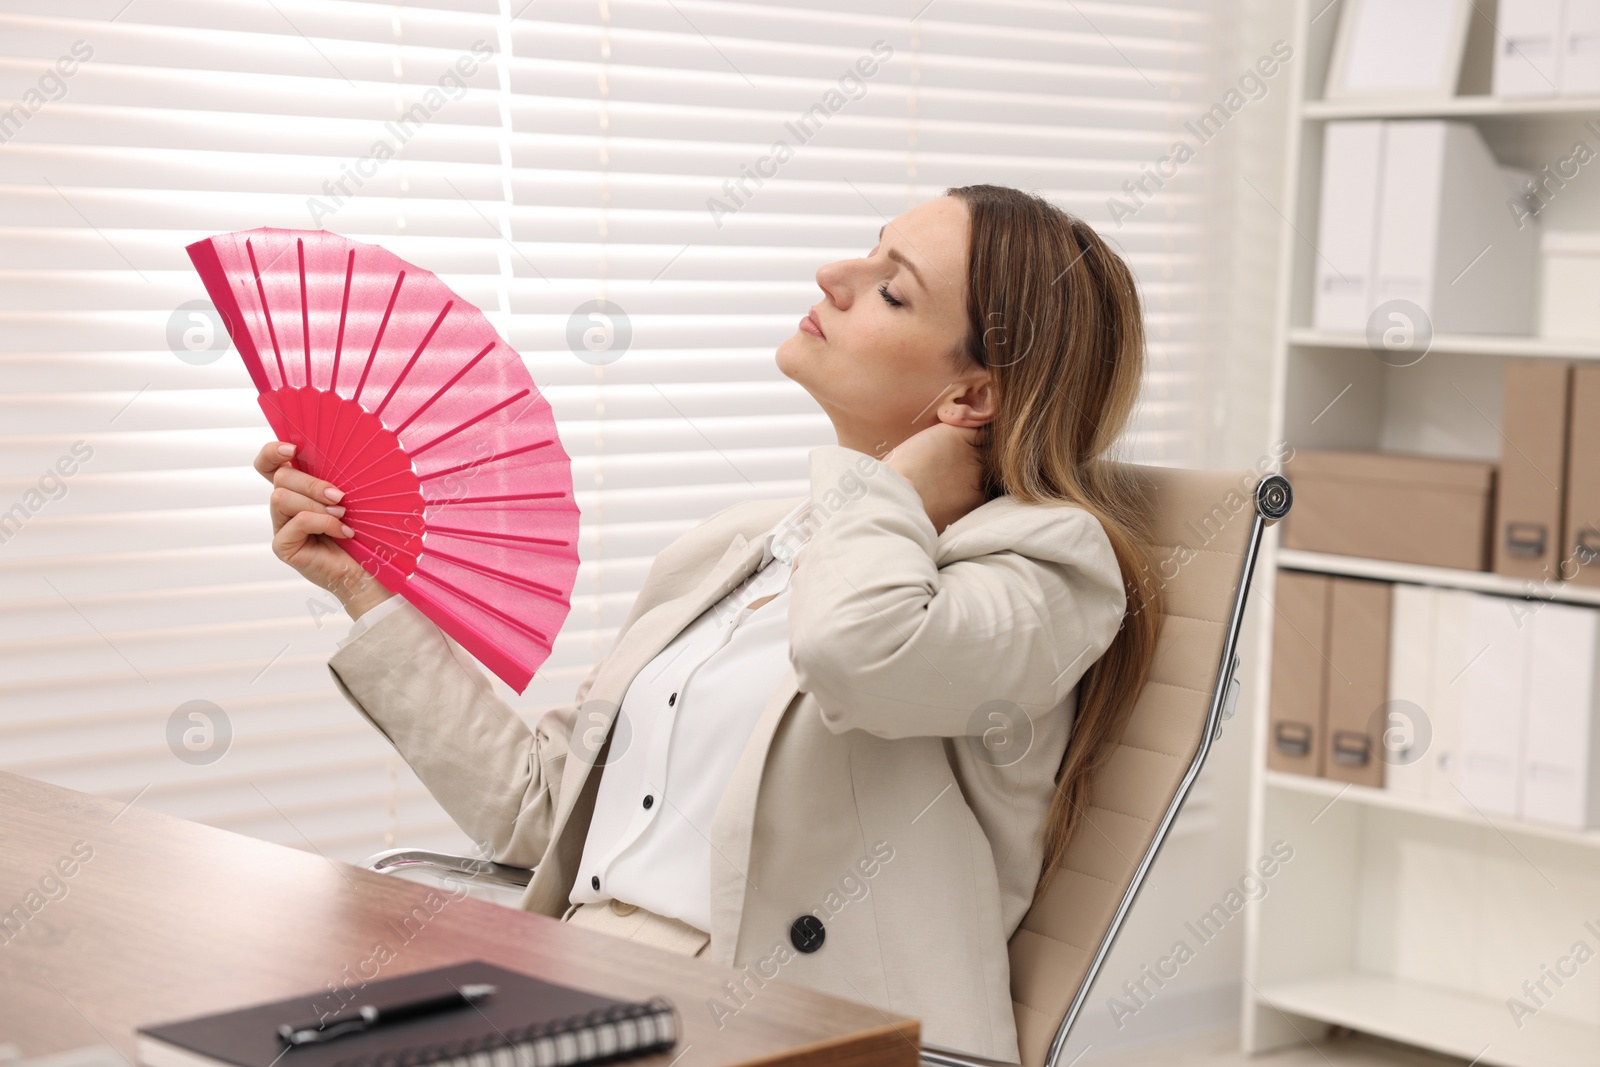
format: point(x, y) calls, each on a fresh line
point(810, 324)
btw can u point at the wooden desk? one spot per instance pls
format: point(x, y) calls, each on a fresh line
point(169, 919)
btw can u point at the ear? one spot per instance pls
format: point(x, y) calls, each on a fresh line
point(971, 402)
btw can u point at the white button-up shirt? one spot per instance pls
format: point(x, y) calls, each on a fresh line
point(684, 721)
point(683, 724)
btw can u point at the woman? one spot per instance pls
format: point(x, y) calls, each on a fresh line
point(869, 690)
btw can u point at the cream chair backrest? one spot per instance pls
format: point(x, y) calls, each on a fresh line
point(1203, 542)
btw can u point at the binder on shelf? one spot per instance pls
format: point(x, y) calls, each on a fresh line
point(1560, 753)
point(1415, 210)
point(1452, 656)
point(1528, 48)
point(1296, 714)
point(1412, 625)
point(1427, 660)
point(1533, 453)
point(1445, 239)
point(1492, 705)
point(1358, 681)
point(1393, 48)
point(1352, 155)
point(1580, 49)
point(1580, 547)
point(1410, 186)
point(1547, 48)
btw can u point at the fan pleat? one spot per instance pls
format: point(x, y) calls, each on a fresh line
point(344, 316)
point(497, 499)
point(377, 340)
point(456, 589)
point(412, 362)
point(446, 387)
point(488, 459)
point(486, 535)
point(343, 423)
point(345, 437)
point(508, 401)
point(266, 312)
point(537, 588)
point(310, 410)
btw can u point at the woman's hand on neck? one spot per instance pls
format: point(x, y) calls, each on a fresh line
point(943, 464)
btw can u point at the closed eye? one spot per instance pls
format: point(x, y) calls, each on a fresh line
point(883, 291)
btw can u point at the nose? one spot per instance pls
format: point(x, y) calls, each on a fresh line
point(834, 279)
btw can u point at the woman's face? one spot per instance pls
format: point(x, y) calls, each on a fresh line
point(889, 323)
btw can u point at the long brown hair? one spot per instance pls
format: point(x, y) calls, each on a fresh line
point(1054, 314)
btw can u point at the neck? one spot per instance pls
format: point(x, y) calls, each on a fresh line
point(871, 440)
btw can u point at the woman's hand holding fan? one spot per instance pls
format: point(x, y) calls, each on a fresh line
point(307, 525)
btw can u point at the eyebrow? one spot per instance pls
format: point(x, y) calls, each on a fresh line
point(900, 257)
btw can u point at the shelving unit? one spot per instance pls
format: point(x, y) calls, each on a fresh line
point(1418, 923)
point(1333, 791)
point(1454, 1023)
point(1396, 916)
point(1477, 581)
point(1462, 344)
point(1472, 106)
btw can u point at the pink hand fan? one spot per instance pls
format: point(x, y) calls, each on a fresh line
point(400, 393)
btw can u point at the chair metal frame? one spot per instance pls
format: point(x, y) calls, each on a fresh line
point(1272, 499)
point(486, 871)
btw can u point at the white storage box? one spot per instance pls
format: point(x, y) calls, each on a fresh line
point(1569, 301)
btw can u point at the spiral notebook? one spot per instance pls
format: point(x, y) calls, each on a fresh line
point(526, 1023)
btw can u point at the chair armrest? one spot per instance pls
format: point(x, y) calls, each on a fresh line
point(472, 870)
point(936, 1056)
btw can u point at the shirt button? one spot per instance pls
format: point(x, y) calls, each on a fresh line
point(595, 882)
point(671, 700)
point(649, 800)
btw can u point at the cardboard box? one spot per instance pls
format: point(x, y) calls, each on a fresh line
point(1296, 714)
point(1411, 509)
point(1580, 547)
point(1358, 681)
point(1528, 532)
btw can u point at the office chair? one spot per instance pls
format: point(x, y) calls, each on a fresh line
point(1206, 529)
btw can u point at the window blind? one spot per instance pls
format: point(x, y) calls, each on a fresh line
point(604, 178)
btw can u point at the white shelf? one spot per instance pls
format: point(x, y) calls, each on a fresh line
point(1452, 107)
point(1477, 581)
point(1391, 801)
point(1461, 344)
point(1459, 1024)
point(1379, 881)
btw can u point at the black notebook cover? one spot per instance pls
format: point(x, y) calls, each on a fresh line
point(591, 1027)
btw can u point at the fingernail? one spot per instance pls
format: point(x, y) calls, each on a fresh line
point(286, 450)
point(346, 530)
point(332, 494)
point(337, 511)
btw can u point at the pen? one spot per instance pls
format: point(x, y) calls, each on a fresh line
point(366, 1017)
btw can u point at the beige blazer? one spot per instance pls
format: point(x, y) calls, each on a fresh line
point(895, 785)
